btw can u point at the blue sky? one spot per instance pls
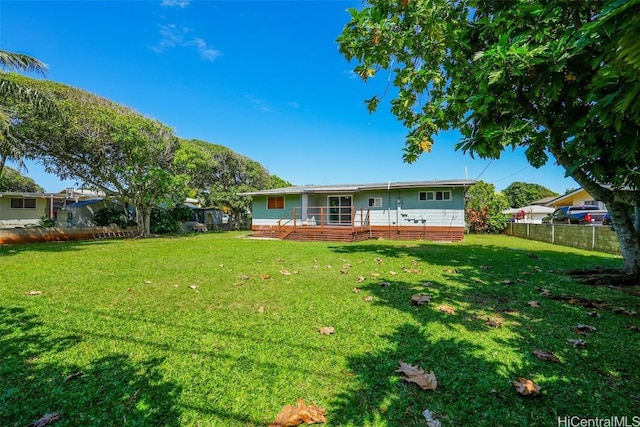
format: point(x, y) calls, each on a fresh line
point(263, 78)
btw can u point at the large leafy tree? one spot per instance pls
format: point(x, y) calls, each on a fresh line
point(9, 61)
point(101, 144)
point(521, 194)
point(218, 174)
point(13, 180)
point(550, 77)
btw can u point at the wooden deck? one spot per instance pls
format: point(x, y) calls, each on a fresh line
point(321, 223)
point(350, 234)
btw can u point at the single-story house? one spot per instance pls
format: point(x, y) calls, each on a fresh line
point(427, 210)
point(20, 210)
point(532, 214)
point(579, 197)
point(81, 213)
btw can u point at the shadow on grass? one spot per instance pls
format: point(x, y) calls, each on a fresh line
point(61, 246)
point(111, 390)
point(478, 334)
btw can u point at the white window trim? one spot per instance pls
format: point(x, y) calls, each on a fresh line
point(23, 199)
point(433, 196)
point(284, 201)
point(377, 202)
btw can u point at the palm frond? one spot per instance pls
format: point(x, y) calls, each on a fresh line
point(21, 62)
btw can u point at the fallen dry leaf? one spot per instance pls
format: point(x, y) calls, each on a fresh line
point(378, 260)
point(526, 387)
point(367, 298)
point(148, 282)
point(534, 304)
point(420, 299)
point(74, 376)
point(285, 273)
point(265, 276)
point(375, 274)
point(32, 293)
point(194, 287)
point(302, 413)
point(360, 279)
point(327, 330)
point(446, 309)
point(355, 290)
point(584, 329)
point(385, 284)
point(393, 273)
point(495, 321)
point(546, 355)
point(634, 328)
point(46, 420)
point(507, 282)
point(415, 374)
point(261, 309)
point(577, 342)
point(431, 419)
point(593, 314)
point(544, 291)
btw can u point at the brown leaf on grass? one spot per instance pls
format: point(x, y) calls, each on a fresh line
point(393, 273)
point(355, 290)
point(261, 309)
point(367, 298)
point(265, 276)
point(446, 309)
point(33, 293)
point(546, 355)
point(410, 270)
point(375, 274)
point(507, 282)
point(420, 299)
point(74, 376)
point(344, 271)
point(544, 291)
point(415, 374)
point(360, 279)
point(45, 420)
point(584, 329)
point(495, 321)
point(378, 260)
point(593, 314)
point(634, 328)
point(526, 387)
point(385, 284)
point(302, 413)
point(577, 342)
point(327, 330)
point(534, 304)
point(285, 273)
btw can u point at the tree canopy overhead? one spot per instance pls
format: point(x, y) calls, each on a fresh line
point(551, 77)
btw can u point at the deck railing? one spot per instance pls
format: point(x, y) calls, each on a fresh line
point(321, 217)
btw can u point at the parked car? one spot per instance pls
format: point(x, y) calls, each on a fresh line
point(589, 215)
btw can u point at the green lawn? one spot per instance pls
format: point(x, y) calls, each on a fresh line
point(220, 330)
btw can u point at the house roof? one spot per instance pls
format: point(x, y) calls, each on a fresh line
point(30, 194)
point(82, 203)
point(355, 188)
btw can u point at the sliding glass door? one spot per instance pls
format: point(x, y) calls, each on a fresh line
point(339, 210)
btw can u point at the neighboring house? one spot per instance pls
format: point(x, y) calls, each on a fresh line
point(203, 218)
point(19, 210)
point(532, 214)
point(579, 197)
point(81, 213)
point(428, 210)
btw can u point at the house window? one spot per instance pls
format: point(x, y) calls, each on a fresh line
point(430, 196)
point(375, 202)
point(275, 202)
point(23, 203)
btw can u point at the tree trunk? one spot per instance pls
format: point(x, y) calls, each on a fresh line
point(143, 220)
point(627, 236)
